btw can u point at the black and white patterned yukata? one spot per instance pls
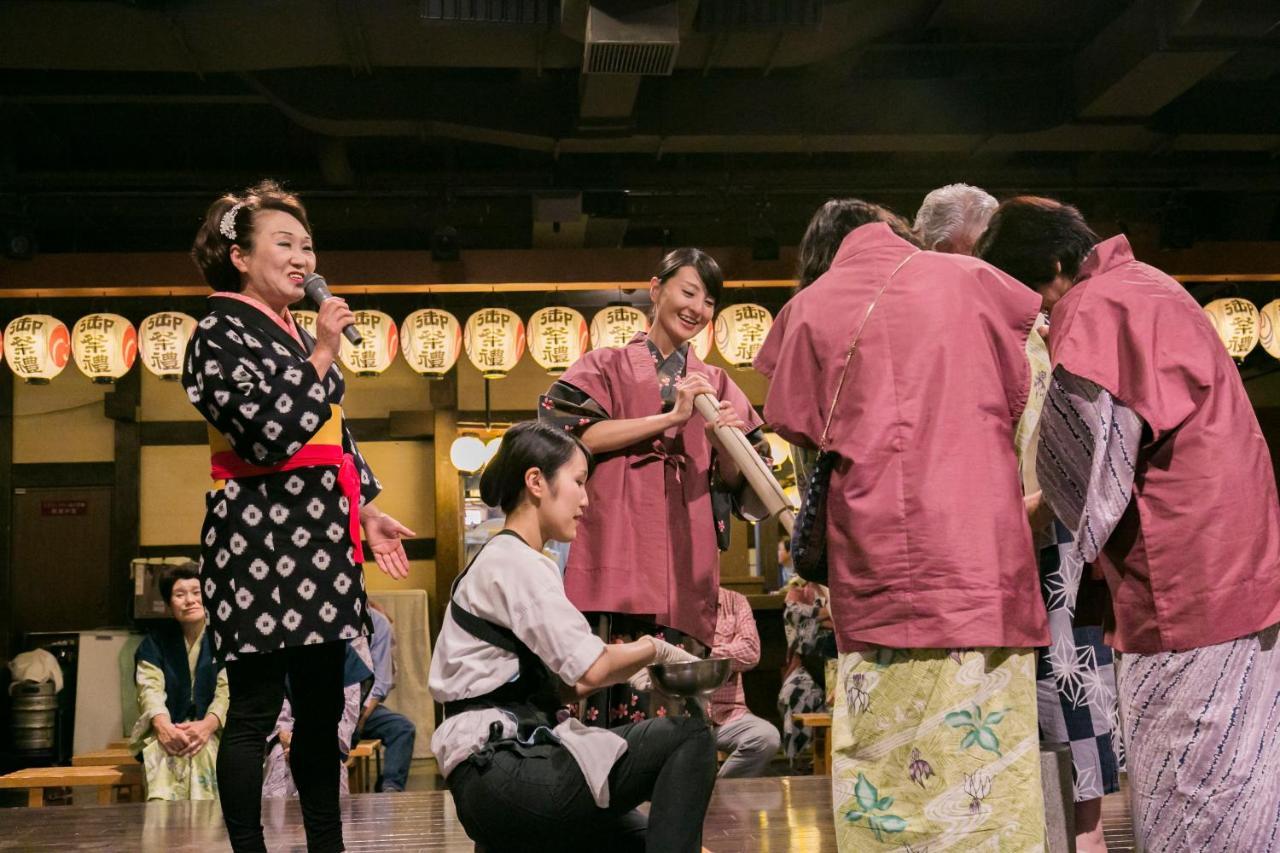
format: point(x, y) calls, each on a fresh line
point(277, 557)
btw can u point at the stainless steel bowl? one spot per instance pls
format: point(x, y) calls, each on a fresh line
point(683, 680)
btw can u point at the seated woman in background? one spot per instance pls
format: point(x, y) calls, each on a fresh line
point(182, 697)
point(811, 642)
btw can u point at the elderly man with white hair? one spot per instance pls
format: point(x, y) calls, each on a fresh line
point(952, 218)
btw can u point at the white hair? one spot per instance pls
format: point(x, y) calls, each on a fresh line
point(950, 211)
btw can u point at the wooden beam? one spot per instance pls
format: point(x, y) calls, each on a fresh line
point(7, 639)
point(123, 405)
point(53, 475)
point(448, 497)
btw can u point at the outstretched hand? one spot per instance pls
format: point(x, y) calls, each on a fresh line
point(383, 535)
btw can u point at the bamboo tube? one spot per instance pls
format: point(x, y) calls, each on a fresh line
point(758, 475)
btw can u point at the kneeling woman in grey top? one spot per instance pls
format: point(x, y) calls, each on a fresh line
point(512, 650)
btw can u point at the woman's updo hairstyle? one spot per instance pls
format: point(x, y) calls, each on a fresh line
point(703, 264)
point(224, 228)
point(526, 445)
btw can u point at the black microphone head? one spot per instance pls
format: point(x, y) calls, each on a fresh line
point(316, 288)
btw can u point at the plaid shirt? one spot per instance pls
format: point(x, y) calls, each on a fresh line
point(737, 640)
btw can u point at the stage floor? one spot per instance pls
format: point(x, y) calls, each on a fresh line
point(787, 814)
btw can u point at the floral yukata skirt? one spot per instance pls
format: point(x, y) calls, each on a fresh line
point(937, 749)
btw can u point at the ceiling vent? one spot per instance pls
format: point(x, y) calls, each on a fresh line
point(501, 12)
point(630, 38)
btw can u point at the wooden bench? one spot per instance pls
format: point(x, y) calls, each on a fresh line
point(103, 758)
point(106, 779)
point(358, 766)
point(820, 722)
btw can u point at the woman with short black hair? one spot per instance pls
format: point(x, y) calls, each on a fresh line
point(513, 649)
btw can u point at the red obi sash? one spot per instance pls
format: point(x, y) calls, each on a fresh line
point(324, 448)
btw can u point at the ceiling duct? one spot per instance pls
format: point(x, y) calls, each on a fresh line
point(630, 38)
point(507, 12)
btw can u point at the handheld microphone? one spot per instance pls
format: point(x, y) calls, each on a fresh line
point(318, 290)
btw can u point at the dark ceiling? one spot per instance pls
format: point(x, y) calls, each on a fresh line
point(120, 121)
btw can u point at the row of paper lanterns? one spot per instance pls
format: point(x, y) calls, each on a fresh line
point(1241, 326)
point(104, 346)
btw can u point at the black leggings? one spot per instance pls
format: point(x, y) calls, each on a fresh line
point(257, 685)
point(536, 798)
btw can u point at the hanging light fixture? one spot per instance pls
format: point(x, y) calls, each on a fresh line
point(491, 448)
point(1269, 328)
point(380, 341)
point(740, 332)
point(37, 347)
point(104, 346)
point(162, 340)
point(494, 341)
point(468, 454)
point(306, 320)
point(701, 343)
point(616, 325)
point(431, 341)
point(1236, 321)
point(557, 338)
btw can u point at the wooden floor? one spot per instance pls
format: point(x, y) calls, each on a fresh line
point(788, 814)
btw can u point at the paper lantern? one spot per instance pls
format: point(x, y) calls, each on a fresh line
point(616, 325)
point(557, 338)
point(792, 494)
point(740, 332)
point(104, 346)
point(37, 347)
point(1269, 328)
point(162, 341)
point(494, 341)
point(378, 347)
point(779, 449)
point(491, 448)
point(701, 342)
point(1237, 323)
point(467, 453)
point(432, 341)
point(306, 320)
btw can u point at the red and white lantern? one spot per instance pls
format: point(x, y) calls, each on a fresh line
point(740, 332)
point(616, 325)
point(494, 341)
point(37, 347)
point(104, 346)
point(162, 341)
point(557, 338)
point(432, 341)
point(380, 341)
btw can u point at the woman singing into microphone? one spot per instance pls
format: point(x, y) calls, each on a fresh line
point(281, 551)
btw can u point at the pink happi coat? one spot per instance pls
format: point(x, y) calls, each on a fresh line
point(647, 542)
point(1195, 560)
point(927, 538)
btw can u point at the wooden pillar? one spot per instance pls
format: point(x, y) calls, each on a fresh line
point(7, 640)
point(122, 406)
point(448, 497)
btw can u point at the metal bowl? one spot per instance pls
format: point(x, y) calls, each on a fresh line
point(696, 678)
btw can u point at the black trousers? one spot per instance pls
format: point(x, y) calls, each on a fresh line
point(257, 685)
point(536, 798)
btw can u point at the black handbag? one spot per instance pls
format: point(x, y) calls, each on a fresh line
point(809, 534)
